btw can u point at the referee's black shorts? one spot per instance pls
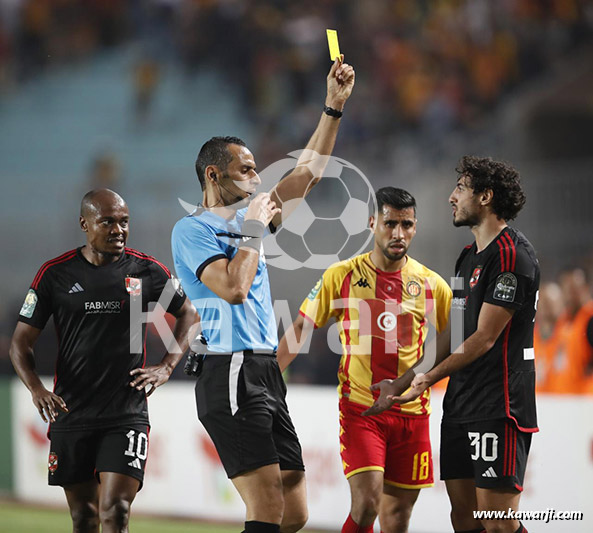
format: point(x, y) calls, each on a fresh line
point(241, 400)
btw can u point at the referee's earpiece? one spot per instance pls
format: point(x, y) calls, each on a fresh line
point(213, 177)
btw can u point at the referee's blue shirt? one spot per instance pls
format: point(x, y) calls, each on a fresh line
point(198, 240)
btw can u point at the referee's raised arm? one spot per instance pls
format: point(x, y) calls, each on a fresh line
point(312, 162)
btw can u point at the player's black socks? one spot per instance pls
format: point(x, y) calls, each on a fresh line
point(253, 526)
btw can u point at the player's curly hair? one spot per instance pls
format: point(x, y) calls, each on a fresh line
point(485, 173)
point(215, 152)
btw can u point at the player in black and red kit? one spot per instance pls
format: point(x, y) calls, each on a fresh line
point(99, 439)
point(489, 408)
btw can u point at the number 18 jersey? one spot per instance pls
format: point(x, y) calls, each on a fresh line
point(383, 319)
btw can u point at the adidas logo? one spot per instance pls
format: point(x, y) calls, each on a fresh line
point(75, 288)
point(489, 473)
point(362, 282)
point(135, 464)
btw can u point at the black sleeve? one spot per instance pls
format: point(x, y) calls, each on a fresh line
point(37, 307)
point(167, 287)
point(509, 283)
point(461, 257)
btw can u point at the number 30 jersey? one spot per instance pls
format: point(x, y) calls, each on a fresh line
point(500, 383)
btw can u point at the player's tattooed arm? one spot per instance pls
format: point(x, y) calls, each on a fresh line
point(21, 354)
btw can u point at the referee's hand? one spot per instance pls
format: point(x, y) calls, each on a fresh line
point(48, 403)
point(262, 208)
point(340, 82)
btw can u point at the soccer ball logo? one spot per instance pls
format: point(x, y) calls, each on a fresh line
point(329, 225)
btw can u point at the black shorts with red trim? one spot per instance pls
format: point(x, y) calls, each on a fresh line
point(79, 455)
point(241, 400)
point(492, 452)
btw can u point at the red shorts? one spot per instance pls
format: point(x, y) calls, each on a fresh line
point(395, 444)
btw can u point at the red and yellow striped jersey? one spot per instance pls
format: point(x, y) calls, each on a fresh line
point(383, 320)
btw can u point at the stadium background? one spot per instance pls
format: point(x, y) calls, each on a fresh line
point(123, 94)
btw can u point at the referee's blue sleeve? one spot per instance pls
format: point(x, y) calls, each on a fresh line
point(195, 246)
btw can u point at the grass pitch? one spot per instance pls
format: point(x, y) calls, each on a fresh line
point(17, 518)
point(21, 518)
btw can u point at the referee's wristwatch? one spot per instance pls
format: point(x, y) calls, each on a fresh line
point(332, 112)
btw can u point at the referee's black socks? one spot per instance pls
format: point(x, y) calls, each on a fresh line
point(253, 526)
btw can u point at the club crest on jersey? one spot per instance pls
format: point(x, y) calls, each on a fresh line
point(413, 288)
point(134, 286)
point(473, 281)
point(52, 462)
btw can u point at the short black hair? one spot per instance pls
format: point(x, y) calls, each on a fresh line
point(500, 177)
point(395, 197)
point(215, 152)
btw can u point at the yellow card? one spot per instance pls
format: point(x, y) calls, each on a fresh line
point(334, 47)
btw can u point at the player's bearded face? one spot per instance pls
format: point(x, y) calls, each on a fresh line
point(394, 231)
point(465, 204)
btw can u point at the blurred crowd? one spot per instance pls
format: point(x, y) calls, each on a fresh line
point(564, 334)
point(429, 65)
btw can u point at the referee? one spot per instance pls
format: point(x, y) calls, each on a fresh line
point(98, 411)
point(218, 257)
